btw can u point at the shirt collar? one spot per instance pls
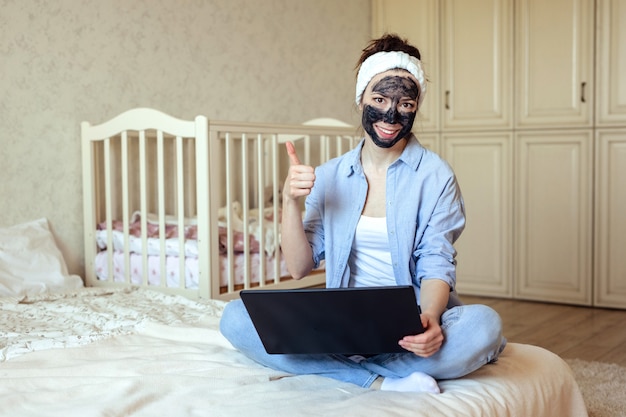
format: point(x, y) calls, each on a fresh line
point(413, 153)
point(411, 156)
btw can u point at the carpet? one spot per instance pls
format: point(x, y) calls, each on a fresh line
point(603, 386)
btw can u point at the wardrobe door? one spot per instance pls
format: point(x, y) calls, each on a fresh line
point(610, 221)
point(483, 166)
point(611, 57)
point(554, 64)
point(476, 65)
point(553, 216)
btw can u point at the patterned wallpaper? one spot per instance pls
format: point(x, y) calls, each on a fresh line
point(65, 61)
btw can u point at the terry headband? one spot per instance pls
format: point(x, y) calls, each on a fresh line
point(384, 61)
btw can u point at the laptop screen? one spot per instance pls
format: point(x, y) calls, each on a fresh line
point(344, 320)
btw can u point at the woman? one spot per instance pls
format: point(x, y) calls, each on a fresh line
point(386, 213)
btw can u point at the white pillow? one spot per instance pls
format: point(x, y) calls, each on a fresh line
point(30, 261)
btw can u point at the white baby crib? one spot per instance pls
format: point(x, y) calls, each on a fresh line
point(193, 207)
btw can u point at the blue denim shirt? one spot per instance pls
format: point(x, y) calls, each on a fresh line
point(425, 215)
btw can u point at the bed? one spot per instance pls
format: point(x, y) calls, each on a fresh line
point(139, 352)
point(193, 207)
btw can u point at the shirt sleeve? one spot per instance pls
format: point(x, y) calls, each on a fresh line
point(313, 219)
point(435, 253)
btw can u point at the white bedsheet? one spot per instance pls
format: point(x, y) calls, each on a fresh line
point(166, 357)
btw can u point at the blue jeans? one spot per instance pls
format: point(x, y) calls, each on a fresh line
point(472, 338)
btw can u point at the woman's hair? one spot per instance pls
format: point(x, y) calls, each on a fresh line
point(387, 43)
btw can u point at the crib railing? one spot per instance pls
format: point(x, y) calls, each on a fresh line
point(254, 165)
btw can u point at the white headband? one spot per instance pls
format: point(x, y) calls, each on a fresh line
point(384, 61)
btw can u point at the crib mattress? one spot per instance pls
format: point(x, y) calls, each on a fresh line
point(137, 352)
point(172, 271)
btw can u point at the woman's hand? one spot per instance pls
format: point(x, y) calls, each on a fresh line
point(427, 343)
point(300, 178)
point(294, 243)
point(434, 297)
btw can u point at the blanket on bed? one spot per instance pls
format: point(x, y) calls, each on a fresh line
point(76, 318)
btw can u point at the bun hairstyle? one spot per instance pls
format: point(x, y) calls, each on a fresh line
point(387, 43)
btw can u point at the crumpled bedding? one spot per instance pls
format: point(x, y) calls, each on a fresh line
point(141, 353)
point(76, 318)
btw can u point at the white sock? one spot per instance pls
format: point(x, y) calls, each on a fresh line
point(416, 382)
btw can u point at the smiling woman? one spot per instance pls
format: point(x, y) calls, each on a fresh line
point(386, 213)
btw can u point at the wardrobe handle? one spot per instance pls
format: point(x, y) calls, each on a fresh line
point(447, 99)
point(582, 91)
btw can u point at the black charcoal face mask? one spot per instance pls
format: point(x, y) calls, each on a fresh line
point(393, 88)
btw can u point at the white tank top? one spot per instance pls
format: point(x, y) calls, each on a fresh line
point(370, 259)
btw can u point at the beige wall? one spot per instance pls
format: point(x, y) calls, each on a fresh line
point(65, 61)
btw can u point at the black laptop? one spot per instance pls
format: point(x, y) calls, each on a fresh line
point(349, 321)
